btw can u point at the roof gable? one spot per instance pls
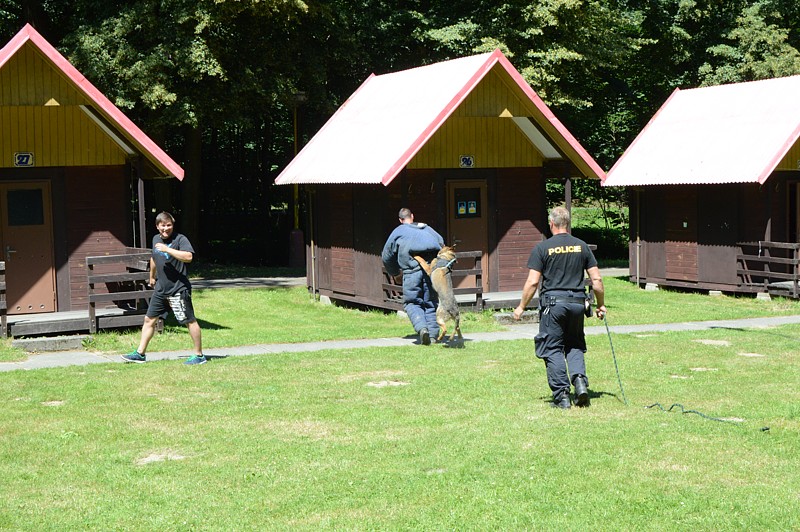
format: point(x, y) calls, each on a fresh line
point(70, 87)
point(384, 124)
point(736, 133)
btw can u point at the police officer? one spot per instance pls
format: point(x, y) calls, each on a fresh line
point(558, 263)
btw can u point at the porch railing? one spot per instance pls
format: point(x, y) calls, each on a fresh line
point(125, 279)
point(773, 267)
point(393, 292)
point(3, 304)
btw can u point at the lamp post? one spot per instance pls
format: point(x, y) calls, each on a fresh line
point(296, 240)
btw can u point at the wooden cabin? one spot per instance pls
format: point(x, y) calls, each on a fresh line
point(715, 200)
point(466, 144)
point(72, 171)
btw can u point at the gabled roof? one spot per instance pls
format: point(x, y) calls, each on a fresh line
point(380, 128)
point(104, 113)
point(735, 133)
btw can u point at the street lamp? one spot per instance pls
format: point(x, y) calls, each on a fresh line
point(296, 240)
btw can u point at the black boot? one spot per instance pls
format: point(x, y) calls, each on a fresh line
point(424, 337)
point(562, 402)
point(581, 391)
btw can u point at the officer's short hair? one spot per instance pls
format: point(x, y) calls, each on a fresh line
point(404, 213)
point(559, 217)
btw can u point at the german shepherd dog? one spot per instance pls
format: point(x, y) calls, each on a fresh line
point(439, 272)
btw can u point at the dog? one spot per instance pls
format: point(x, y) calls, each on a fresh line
point(439, 271)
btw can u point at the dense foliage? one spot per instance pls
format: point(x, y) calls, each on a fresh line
point(224, 84)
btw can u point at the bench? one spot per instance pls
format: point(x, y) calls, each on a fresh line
point(124, 279)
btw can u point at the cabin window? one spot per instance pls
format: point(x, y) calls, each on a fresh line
point(25, 207)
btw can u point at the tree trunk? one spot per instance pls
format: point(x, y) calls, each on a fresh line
point(191, 188)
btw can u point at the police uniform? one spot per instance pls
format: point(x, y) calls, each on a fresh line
point(562, 260)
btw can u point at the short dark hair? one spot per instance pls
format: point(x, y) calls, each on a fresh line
point(164, 216)
point(404, 213)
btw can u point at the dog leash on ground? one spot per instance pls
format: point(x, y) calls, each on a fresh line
point(614, 356)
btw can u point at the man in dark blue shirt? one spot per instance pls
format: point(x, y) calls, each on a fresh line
point(558, 264)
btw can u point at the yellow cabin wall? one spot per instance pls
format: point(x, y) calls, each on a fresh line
point(40, 113)
point(792, 159)
point(481, 126)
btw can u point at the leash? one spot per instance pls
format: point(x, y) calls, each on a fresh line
point(682, 409)
point(619, 380)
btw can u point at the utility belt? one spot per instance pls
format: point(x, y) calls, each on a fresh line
point(551, 298)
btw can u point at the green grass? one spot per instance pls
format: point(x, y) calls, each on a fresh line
point(411, 439)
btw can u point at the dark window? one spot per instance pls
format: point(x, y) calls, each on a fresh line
point(25, 207)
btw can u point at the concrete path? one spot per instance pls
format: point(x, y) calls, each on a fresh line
point(514, 332)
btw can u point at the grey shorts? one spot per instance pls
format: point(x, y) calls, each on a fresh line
point(180, 304)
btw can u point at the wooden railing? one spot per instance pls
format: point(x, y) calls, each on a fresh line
point(3, 304)
point(771, 266)
point(126, 283)
point(393, 292)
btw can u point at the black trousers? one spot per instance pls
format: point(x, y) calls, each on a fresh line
point(561, 342)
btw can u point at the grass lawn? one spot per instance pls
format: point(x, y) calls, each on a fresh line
point(411, 438)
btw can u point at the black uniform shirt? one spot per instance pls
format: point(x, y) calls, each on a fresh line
point(562, 260)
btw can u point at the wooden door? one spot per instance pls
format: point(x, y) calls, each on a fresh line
point(26, 240)
point(468, 225)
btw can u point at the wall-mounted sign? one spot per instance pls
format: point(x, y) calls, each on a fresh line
point(466, 161)
point(468, 202)
point(23, 158)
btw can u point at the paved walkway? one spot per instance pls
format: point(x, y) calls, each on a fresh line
point(514, 332)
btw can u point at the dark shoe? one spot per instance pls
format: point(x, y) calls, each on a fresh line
point(135, 357)
point(562, 403)
point(581, 392)
point(424, 337)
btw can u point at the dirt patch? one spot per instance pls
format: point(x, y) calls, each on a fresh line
point(703, 369)
point(384, 384)
point(158, 457)
point(717, 343)
point(678, 377)
point(386, 373)
point(53, 403)
point(752, 355)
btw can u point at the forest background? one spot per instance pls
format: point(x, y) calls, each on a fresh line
point(232, 88)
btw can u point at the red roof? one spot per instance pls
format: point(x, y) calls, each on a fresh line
point(117, 120)
point(380, 128)
point(736, 133)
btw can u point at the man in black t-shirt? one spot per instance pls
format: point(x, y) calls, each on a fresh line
point(558, 264)
point(173, 291)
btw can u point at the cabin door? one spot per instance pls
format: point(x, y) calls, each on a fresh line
point(26, 241)
point(468, 225)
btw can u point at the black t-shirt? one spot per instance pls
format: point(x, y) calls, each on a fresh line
point(171, 274)
point(562, 260)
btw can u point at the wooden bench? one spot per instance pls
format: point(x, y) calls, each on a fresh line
point(126, 283)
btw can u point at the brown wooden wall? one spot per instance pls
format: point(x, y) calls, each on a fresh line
point(97, 203)
point(352, 223)
point(521, 223)
point(689, 233)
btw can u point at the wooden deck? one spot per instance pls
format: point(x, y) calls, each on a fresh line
point(70, 322)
